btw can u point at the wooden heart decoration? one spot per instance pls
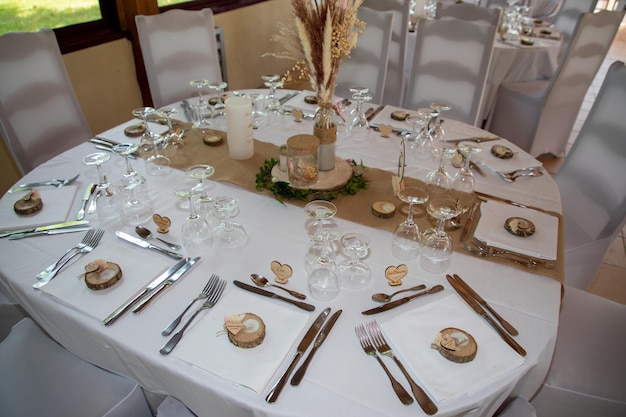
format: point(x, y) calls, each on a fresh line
point(297, 115)
point(163, 223)
point(385, 130)
point(282, 271)
point(395, 274)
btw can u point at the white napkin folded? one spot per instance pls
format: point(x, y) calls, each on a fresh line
point(250, 368)
point(411, 334)
point(384, 118)
point(56, 206)
point(520, 159)
point(298, 102)
point(138, 270)
point(490, 229)
point(117, 134)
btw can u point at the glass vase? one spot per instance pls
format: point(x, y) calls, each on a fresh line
point(326, 131)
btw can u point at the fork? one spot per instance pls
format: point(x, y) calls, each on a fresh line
point(43, 274)
point(530, 261)
point(211, 300)
point(369, 349)
point(88, 247)
point(383, 348)
point(208, 288)
point(527, 172)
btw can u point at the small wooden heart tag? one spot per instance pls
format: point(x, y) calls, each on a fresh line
point(297, 115)
point(282, 271)
point(163, 223)
point(385, 130)
point(395, 274)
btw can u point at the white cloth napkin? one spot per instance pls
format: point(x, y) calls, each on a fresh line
point(298, 102)
point(138, 270)
point(56, 206)
point(520, 159)
point(117, 133)
point(250, 368)
point(384, 118)
point(490, 229)
point(412, 333)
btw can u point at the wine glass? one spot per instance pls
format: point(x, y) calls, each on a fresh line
point(356, 90)
point(97, 159)
point(156, 164)
point(436, 244)
point(196, 231)
point(136, 208)
point(228, 234)
point(439, 181)
point(320, 227)
point(202, 201)
point(464, 178)
point(437, 125)
point(219, 113)
point(418, 139)
point(199, 84)
point(171, 136)
point(323, 279)
point(272, 105)
point(353, 273)
point(406, 239)
point(108, 206)
point(258, 113)
point(359, 127)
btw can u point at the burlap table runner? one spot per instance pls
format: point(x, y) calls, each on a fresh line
point(356, 208)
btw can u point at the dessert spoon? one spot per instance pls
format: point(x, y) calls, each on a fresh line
point(385, 298)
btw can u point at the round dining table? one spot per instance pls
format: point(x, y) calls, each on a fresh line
point(215, 378)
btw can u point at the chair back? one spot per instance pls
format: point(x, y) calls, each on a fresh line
point(469, 12)
point(367, 65)
point(450, 65)
point(592, 181)
point(40, 116)
point(395, 83)
point(178, 46)
point(567, 88)
point(567, 18)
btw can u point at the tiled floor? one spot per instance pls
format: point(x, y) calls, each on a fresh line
point(610, 281)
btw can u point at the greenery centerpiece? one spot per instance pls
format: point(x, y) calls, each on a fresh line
point(321, 35)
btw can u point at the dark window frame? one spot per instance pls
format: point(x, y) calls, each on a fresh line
point(84, 35)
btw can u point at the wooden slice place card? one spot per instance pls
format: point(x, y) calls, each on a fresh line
point(455, 345)
point(100, 274)
point(395, 274)
point(297, 115)
point(245, 330)
point(31, 203)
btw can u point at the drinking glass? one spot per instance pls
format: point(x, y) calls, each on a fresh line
point(464, 178)
point(359, 127)
point(136, 208)
point(439, 181)
point(201, 200)
point(436, 244)
point(437, 123)
point(323, 279)
point(419, 140)
point(196, 231)
point(353, 273)
point(258, 113)
point(97, 159)
point(108, 202)
point(171, 136)
point(356, 90)
point(320, 228)
point(202, 116)
point(156, 164)
point(406, 239)
point(228, 234)
point(219, 112)
point(199, 84)
point(273, 107)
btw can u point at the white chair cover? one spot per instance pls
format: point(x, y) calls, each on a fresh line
point(586, 376)
point(171, 407)
point(450, 65)
point(41, 378)
point(567, 17)
point(395, 83)
point(538, 116)
point(178, 46)
point(517, 407)
point(469, 12)
point(592, 181)
point(367, 65)
point(40, 116)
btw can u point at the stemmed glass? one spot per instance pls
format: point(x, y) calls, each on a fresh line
point(108, 203)
point(199, 84)
point(406, 239)
point(437, 125)
point(419, 140)
point(157, 164)
point(320, 228)
point(436, 244)
point(136, 207)
point(258, 115)
point(323, 279)
point(228, 234)
point(203, 203)
point(219, 107)
point(97, 159)
point(273, 106)
point(354, 274)
point(359, 127)
point(464, 178)
point(439, 180)
point(172, 136)
point(196, 231)
point(356, 90)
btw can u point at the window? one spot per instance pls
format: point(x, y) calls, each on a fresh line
point(32, 15)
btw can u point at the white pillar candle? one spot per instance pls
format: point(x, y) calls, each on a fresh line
point(239, 127)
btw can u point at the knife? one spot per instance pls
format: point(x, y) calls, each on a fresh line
point(144, 244)
point(507, 326)
point(63, 225)
point(50, 232)
point(155, 283)
point(469, 223)
point(373, 114)
point(187, 110)
point(103, 141)
point(481, 312)
point(477, 139)
point(401, 301)
point(170, 281)
point(256, 290)
point(287, 97)
point(81, 212)
point(272, 396)
point(297, 377)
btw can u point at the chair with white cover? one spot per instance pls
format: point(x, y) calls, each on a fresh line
point(517, 407)
point(586, 376)
point(40, 116)
point(367, 65)
point(178, 46)
point(450, 65)
point(592, 182)
point(567, 17)
point(41, 378)
point(395, 83)
point(538, 116)
point(469, 12)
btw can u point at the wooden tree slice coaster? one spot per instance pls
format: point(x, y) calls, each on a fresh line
point(245, 330)
point(383, 209)
point(31, 203)
point(455, 345)
point(101, 275)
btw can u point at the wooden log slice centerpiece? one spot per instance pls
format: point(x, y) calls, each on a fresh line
point(100, 274)
point(245, 330)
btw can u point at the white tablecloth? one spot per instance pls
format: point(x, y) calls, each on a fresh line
point(341, 380)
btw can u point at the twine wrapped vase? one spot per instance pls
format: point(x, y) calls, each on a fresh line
point(325, 130)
